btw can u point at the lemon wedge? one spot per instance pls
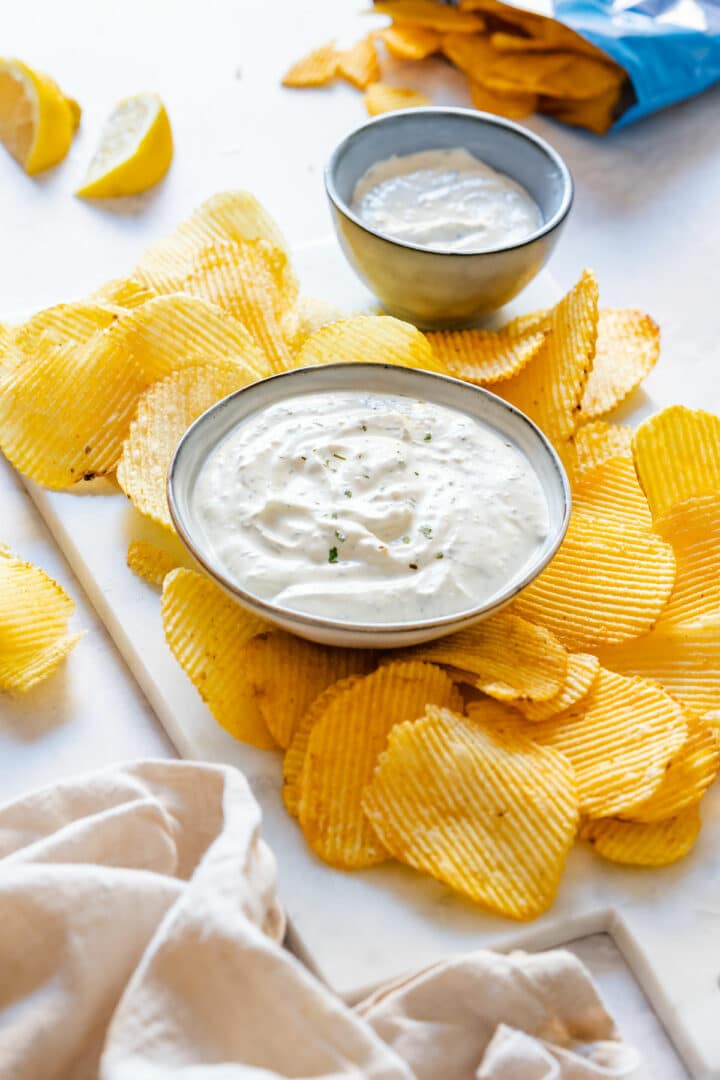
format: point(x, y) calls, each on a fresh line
point(135, 150)
point(37, 121)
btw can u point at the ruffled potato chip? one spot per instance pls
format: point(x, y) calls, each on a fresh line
point(636, 844)
point(288, 673)
point(150, 562)
point(408, 42)
point(176, 331)
point(34, 615)
point(582, 670)
point(515, 104)
point(306, 316)
point(687, 777)
point(206, 631)
point(489, 356)
point(342, 752)
point(381, 98)
point(596, 113)
point(550, 388)
point(123, 293)
point(62, 325)
point(359, 65)
point(374, 339)
point(693, 529)
point(294, 759)
point(164, 414)
point(597, 442)
point(612, 575)
point(677, 456)
point(508, 658)
point(483, 810)
point(230, 215)
point(427, 13)
point(619, 739)
point(318, 68)
point(628, 346)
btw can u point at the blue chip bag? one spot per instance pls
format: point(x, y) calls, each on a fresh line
point(669, 48)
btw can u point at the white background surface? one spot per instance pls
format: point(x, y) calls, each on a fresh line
point(646, 218)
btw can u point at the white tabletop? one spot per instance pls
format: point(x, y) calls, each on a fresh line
point(645, 218)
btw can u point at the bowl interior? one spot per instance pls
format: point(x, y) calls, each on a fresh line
point(200, 439)
point(503, 145)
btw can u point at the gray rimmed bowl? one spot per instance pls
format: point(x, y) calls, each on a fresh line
point(436, 289)
point(202, 437)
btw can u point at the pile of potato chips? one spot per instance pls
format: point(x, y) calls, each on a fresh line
point(590, 708)
point(517, 62)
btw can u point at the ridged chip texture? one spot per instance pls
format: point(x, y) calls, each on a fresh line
point(34, 615)
point(597, 442)
point(620, 739)
point(123, 293)
point(287, 673)
point(206, 632)
point(150, 562)
point(359, 64)
point(483, 810)
point(582, 670)
point(515, 104)
point(489, 356)
point(636, 844)
point(687, 777)
point(628, 346)
point(693, 530)
point(62, 325)
point(677, 456)
point(294, 759)
point(317, 68)
point(408, 42)
point(369, 339)
point(381, 98)
point(508, 657)
point(344, 745)
point(164, 414)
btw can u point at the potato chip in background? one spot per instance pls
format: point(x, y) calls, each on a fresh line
point(317, 68)
point(381, 97)
point(597, 442)
point(628, 346)
point(677, 456)
point(429, 14)
point(515, 104)
point(363, 339)
point(481, 809)
point(485, 357)
point(408, 42)
point(636, 844)
point(150, 562)
point(359, 65)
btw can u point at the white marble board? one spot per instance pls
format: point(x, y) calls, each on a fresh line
point(357, 929)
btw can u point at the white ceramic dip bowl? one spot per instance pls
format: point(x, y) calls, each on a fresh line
point(211, 428)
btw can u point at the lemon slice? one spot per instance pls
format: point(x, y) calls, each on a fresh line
point(135, 149)
point(37, 121)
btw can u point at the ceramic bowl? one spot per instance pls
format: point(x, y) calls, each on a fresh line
point(436, 289)
point(200, 439)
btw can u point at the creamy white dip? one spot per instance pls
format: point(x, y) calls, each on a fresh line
point(368, 507)
point(445, 200)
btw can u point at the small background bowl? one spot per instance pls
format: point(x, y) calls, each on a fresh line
point(436, 289)
point(214, 425)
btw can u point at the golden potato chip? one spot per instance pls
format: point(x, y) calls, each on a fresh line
point(253, 282)
point(65, 412)
point(230, 215)
point(408, 42)
point(206, 631)
point(619, 739)
point(359, 65)
point(429, 14)
point(125, 293)
point(343, 748)
point(693, 529)
point(294, 758)
point(176, 331)
point(677, 456)
point(687, 776)
point(472, 54)
point(164, 414)
point(612, 575)
point(596, 443)
point(597, 113)
point(483, 810)
point(9, 354)
point(582, 670)
point(318, 68)
point(381, 98)
point(489, 356)
point(287, 674)
point(554, 75)
point(306, 316)
point(515, 104)
point(150, 562)
point(636, 844)
point(61, 325)
point(628, 345)
point(550, 388)
point(34, 615)
point(509, 658)
point(376, 339)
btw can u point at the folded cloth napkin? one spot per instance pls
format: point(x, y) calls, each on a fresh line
point(140, 939)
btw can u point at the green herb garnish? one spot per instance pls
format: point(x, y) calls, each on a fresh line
point(332, 555)
point(348, 493)
point(428, 437)
point(406, 539)
point(426, 531)
point(339, 457)
point(439, 555)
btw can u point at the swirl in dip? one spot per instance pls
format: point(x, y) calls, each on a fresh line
point(369, 508)
point(445, 200)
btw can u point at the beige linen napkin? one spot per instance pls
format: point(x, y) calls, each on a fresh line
point(140, 940)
